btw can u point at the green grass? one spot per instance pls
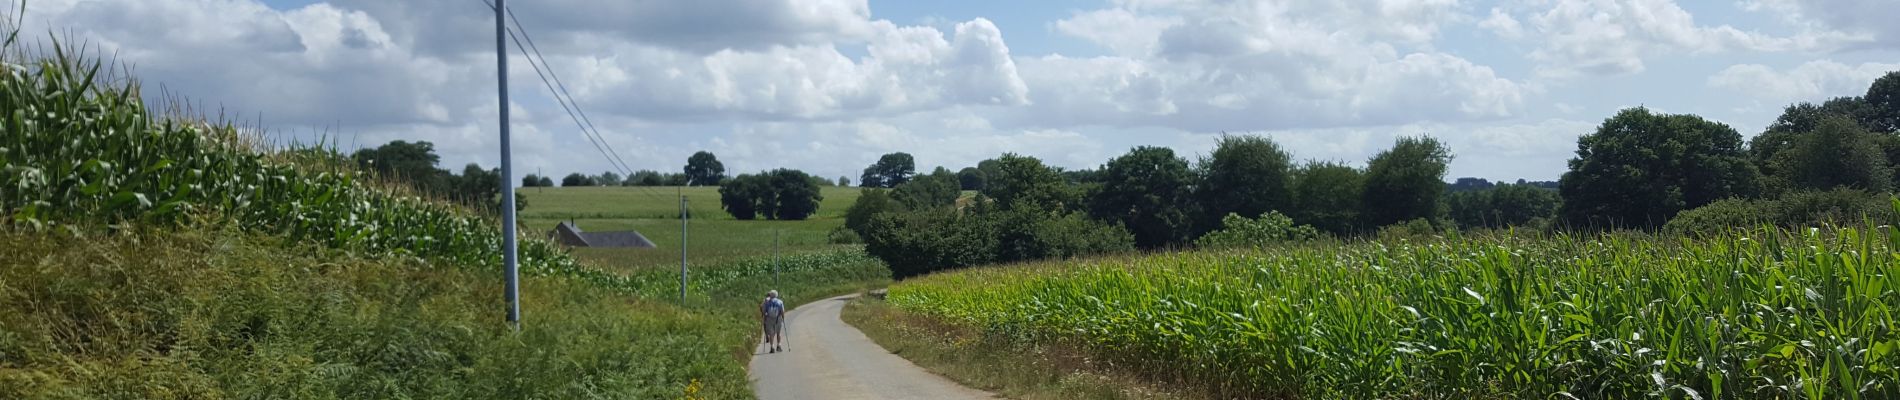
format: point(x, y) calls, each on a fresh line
point(713, 237)
point(1767, 314)
point(1023, 370)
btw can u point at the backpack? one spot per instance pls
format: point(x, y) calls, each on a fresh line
point(774, 308)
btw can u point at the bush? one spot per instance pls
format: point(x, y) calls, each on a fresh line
point(1417, 228)
point(1272, 227)
point(919, 242)
point(1800, 209)
point(843, 235)
point(869, 204)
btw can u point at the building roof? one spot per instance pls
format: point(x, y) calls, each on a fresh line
point(568, 234)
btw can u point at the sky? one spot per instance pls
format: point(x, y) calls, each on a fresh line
point(827, 86)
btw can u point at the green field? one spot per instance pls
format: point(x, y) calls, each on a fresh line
point(1762, 314)
point(713, 235)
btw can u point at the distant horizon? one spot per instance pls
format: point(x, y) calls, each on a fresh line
point(828, 86)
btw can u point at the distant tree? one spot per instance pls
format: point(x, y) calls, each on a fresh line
point(1641, 168)
point(1022, 181)
point(1501, 206)
point(704, 169)
point(1080, 176)
point(890, 170)
point(1146, 191)
point(530, 181)
point(1246, 175)
point(821, 181)
point(937, 189)
point(1799, 119)
point(970, 178)
point(411, 162)
point(646, 177)
point(844, 181)
point(1404, 183)
point(1838, 153)
point(1883, 97)
point(576, 179)
point(1469, 184)
point(546, 182)
point(797, 197)
point(676, 180)
point(740, 196)
point(868, 205)
point(1326, 195)
point(608, 178)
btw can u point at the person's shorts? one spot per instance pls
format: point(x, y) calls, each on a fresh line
point(771, 326)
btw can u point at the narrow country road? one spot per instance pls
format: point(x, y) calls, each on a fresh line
point(827, 359)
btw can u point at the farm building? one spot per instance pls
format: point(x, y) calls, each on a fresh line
point(568, 234)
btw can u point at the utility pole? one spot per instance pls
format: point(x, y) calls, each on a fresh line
point(508, 260)
point(682, 246)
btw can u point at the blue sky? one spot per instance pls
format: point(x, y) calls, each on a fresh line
point(828, 85)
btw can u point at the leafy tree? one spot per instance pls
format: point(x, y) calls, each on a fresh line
point(676, 180)
point(1022, 181)
point(970, 178)
point(704, 169)
point(1272, 227)
point(797, 197)
point(1146, 191)
point(1326, 195)
point(844, 181)
point(869, 204)
point(890, 170)
point(1883, 97)
point(576, 179)
point(1799, 119)
point(938, 189)
point(919, 242)
point(1246, 175)
point(1838, 153)
point(741, 195)
point(646, 178)
point(1404, 183)
point(546, 182)
point(1469, 184)
point(412, 162)
point(1640, 168)
point(608, 178)
point(530, 181)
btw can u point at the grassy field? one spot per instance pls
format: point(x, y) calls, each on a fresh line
point(713, 236)
point(1764, 314)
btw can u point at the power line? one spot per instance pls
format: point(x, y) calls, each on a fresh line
point(564, 92)
point(592, 137)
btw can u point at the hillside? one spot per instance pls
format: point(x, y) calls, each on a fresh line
point(714, 237)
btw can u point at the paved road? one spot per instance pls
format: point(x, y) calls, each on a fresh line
point(827, 359)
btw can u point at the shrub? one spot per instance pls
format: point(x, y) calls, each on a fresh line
point(918, 242)
point(1272, 227)
point(1800, 209)
point(1417, 228)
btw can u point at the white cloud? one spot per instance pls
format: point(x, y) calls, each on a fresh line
point(1872, 21)
point(1118, 29)
point(1612, 37)
point(1502, 24)
point(1814, 81)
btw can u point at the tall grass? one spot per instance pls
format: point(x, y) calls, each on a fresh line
point(1771, 314)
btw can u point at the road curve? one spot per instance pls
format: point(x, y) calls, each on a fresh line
point(827, 359)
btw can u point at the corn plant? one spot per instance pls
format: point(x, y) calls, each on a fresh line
point(1761, 313)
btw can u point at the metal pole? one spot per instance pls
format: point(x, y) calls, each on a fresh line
point(682, 246)
point(508, 260)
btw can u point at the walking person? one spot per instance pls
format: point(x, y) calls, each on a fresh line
point(772, 314)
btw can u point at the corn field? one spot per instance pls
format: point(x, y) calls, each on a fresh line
point(80, 147)
point(1769, 314)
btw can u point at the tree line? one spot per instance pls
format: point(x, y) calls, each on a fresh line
point(413, 165)
point(1638, 170)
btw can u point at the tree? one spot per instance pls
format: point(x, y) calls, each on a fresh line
point(1023, 181)
point(704, 169)
point(1326, 195)
point(1501, 206)
point(546, 182)
point(1246, 175)
point(1146, 191)
point(1404, 183)
point(970, 178)
point(868, 205)
point(890, 170)
point(675, 180)
point(797, 197)
point(844, 181)
point(1838, 153)
point(938, 189)
point(646, 178)
point(530, 181)
point(1883, 98)
point(576, 179)
point(1640, 168)
point(1469, 184)
point(405, 161)
point(608, 178)
point(1799, 119)
point(740, 196)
